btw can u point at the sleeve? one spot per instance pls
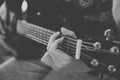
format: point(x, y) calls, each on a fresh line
point(76, 70)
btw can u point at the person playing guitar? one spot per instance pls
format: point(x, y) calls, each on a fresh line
point(64, 67)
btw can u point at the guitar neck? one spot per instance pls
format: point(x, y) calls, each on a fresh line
point(34, 32)
point(42, 35)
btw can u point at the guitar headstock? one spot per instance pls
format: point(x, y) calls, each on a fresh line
point(105, 54)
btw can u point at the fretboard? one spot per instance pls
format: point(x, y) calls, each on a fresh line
point(42, 35)
point(34, 32)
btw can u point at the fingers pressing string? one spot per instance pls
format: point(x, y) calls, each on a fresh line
point(52, 39)
point(56, 43)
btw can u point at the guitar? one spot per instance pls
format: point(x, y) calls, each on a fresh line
point(98, 55)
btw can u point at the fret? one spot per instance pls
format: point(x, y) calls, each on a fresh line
point(67, 45)
point(33, 32)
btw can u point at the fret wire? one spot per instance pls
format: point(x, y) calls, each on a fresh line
point(37, 31)
point(44, 30)
point(68, 46)
point(31, 32)
point(38, 27)
point(34, 38)
point(38, 35)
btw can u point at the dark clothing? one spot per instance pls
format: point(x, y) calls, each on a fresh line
point(87, 18)
point(53, 16)
point(82, 16)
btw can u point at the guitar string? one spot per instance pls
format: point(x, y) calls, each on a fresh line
point(72, 44)
point(73, 50)
point(47, 36)
point(82, 55)
point(49, 32)
point(99, 62)
point(88, 48)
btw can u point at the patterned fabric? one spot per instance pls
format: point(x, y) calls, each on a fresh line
point(86, 3)
point(104, 17)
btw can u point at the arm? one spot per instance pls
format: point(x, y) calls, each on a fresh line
point(116, 14)
point(64, 66)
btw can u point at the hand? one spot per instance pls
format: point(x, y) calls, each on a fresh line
point(54, 57)
point(3, 11)
point(5, 46)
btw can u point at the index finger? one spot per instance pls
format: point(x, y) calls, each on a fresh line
point(55, 44)
point(52, 39)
